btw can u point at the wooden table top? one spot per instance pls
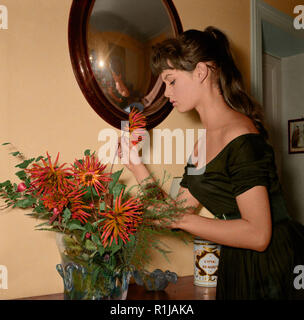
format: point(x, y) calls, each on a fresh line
point(184, 289)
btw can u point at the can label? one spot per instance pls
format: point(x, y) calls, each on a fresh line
point(206, 261)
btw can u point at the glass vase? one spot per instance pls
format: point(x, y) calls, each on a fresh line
point(82, 281)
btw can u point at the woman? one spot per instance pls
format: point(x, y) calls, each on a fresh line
point(261, 244)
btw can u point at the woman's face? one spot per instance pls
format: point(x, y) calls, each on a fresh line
point(181, 88)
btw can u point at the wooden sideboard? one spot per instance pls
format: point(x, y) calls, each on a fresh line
point(184, 289)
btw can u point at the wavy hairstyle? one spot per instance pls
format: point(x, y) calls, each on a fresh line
point(210, 45)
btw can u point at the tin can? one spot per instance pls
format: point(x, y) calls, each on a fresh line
point(206, 261)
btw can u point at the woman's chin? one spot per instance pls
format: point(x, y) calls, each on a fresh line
point(181, 109)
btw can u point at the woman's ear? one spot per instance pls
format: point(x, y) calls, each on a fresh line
point(201, 71)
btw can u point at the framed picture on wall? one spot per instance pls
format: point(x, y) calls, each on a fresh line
point(296, 136)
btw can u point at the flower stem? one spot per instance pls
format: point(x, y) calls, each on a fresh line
point(115, 154)
point(94, 212)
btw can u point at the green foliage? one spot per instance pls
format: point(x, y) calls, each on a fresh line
point(115, 177)
point(83, 240)
point(25, 163)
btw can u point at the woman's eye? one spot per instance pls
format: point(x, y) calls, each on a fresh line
point(172, 82)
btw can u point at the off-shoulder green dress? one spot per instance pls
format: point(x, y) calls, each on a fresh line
point(248, 161)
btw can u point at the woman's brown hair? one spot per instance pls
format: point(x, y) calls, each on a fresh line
point(210, 45)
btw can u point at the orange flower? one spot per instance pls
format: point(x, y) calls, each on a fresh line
point(55, 200)
point(137, 125)
point(71, 199)
point(77, 206)
point(90, 173)
point(49, 178)
point(122, 221)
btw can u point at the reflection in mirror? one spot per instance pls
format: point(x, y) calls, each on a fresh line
point(120, 36)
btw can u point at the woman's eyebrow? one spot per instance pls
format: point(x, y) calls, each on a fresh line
point(169, 74)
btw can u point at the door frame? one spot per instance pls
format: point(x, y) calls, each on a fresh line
point(262, 11)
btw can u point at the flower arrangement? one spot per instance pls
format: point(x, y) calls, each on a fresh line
point(107, 233)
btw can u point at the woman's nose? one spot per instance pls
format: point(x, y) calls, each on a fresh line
point(166, 93)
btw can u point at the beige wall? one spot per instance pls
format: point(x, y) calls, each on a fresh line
point(42, 109)
point(285, 6)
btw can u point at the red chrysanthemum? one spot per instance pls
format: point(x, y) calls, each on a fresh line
point(90, 173)
point(55, 200)
point(72, 200)
point(77, 206)
point(122, 221)
point(136, 126)
point(49, 178)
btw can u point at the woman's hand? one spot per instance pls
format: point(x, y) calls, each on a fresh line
point(128, 154)
point(169, 224)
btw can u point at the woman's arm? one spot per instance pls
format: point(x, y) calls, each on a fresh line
point(141, 173)
point(252, 231)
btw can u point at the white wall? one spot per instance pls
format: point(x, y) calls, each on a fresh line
point(293, 108)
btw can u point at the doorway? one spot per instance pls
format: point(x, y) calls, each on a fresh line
point(277, 75)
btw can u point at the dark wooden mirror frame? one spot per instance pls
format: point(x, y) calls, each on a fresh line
point(77, 36)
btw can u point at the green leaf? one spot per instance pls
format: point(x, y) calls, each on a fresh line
point(5, 184)
point(85, 257)
point(117, 190)
point(17, 153)
point(40, 208)
point(95, 239)
point(66, 215)
point(25, 163)
point(115, 176)
point(83, 235)
point(25, 203)
point(131, 242)
point(5, 143)
point(42, 224)
point(88, 195)
point(88, 227)
point(87, 152)
point(27, 182)
point(115, 247)
point(21, 175)
point(75, 225)
point(95, 275)
point(89, 245)
point(101, 250)
point(102, 206)
point(96, 223)
point(80, 161)
point(38, 158)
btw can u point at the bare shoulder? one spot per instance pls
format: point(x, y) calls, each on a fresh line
point(242, 125)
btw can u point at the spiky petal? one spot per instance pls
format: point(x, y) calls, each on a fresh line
point(136, 126)
point(71, 199)
point(121, 221)
point(49, 178)
point(89, 172)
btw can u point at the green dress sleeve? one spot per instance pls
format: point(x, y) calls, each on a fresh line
point(250, 164)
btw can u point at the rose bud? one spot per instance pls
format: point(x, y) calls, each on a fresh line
point(21, 187)
point(88, 235)
point(56, 211)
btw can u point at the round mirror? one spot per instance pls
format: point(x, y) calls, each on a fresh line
point(110, 44)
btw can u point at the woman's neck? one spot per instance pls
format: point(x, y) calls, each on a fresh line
point(214, 111)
